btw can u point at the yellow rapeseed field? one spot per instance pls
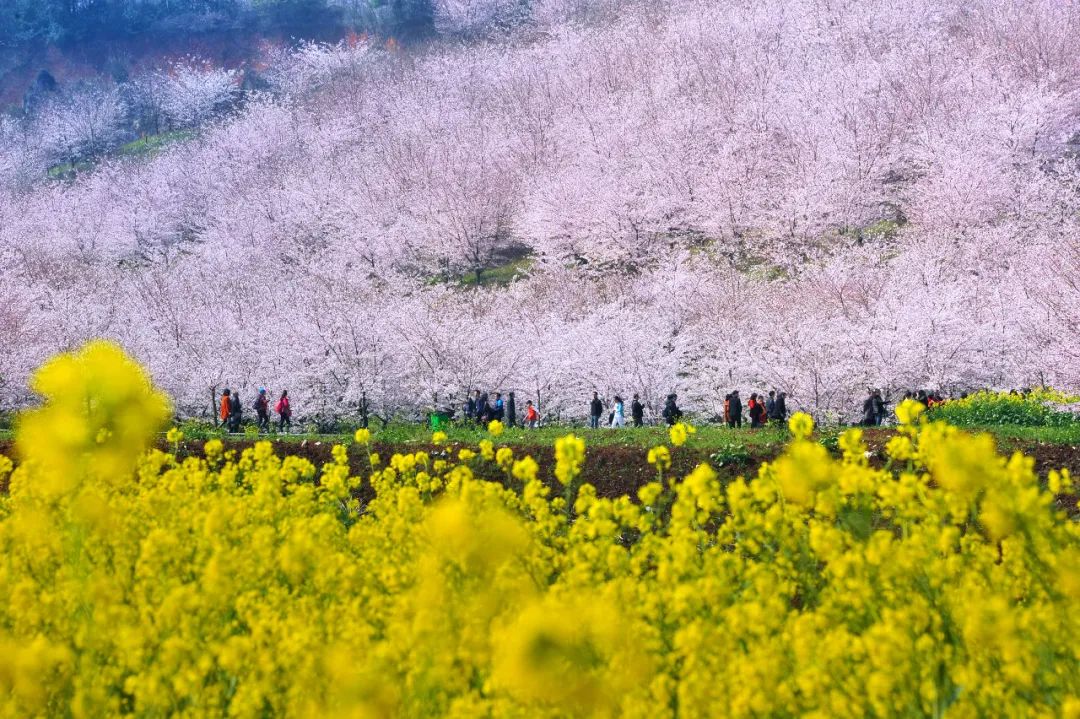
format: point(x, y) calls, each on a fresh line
point(137, 583)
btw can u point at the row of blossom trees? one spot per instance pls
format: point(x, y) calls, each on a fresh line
point(814, 197)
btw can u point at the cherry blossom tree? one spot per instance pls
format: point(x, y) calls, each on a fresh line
point(193, 90)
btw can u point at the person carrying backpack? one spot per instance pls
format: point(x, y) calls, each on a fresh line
point(262, 410)
point(672, 413)
point(284, 410)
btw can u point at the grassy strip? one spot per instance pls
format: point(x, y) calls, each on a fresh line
point(707, 438)
point(150, 144)
point(1009, 433)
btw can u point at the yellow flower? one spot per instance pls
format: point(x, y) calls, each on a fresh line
point(803, 470)
point(495, 428)
point(851, 443)
point(660, 457)
point(174, 435)
point(213, 448)
point(900, 448)
point(525, 469)
point(813, 587)
point(362, 436)
point(649, 493)
point(998, 519)
point(569, 456)
point(801, 425)
point(504, 457)
point(908, 411)
point(438, 438)
point(680, 432)
point(100, 412)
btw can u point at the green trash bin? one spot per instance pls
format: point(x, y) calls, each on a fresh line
point(437, 420)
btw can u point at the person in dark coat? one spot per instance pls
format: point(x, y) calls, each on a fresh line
point(470, 407)
point(511, 410)
point(735, 410)
point(757, 412)
point(235, 411)
point(672, 413)
point(879, 408)
point(262, 410)
point(781, 407)
point(596, 408)
point(869, 410)
point(637, 412)
point(483, 409)
point(770, 405)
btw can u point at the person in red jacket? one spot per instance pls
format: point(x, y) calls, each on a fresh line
point(284, 410)
point(224, 411)
point(532, 417)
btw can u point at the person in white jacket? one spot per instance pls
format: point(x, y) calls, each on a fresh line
point(618, 417)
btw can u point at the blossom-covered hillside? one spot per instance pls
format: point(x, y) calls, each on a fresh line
point(580, 195)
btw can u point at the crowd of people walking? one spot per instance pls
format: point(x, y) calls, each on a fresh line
point(761, 409)
point(231, 410)
point(875, 407)
point(483, 408)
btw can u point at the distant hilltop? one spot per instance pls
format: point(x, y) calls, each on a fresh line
point(116, 39)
